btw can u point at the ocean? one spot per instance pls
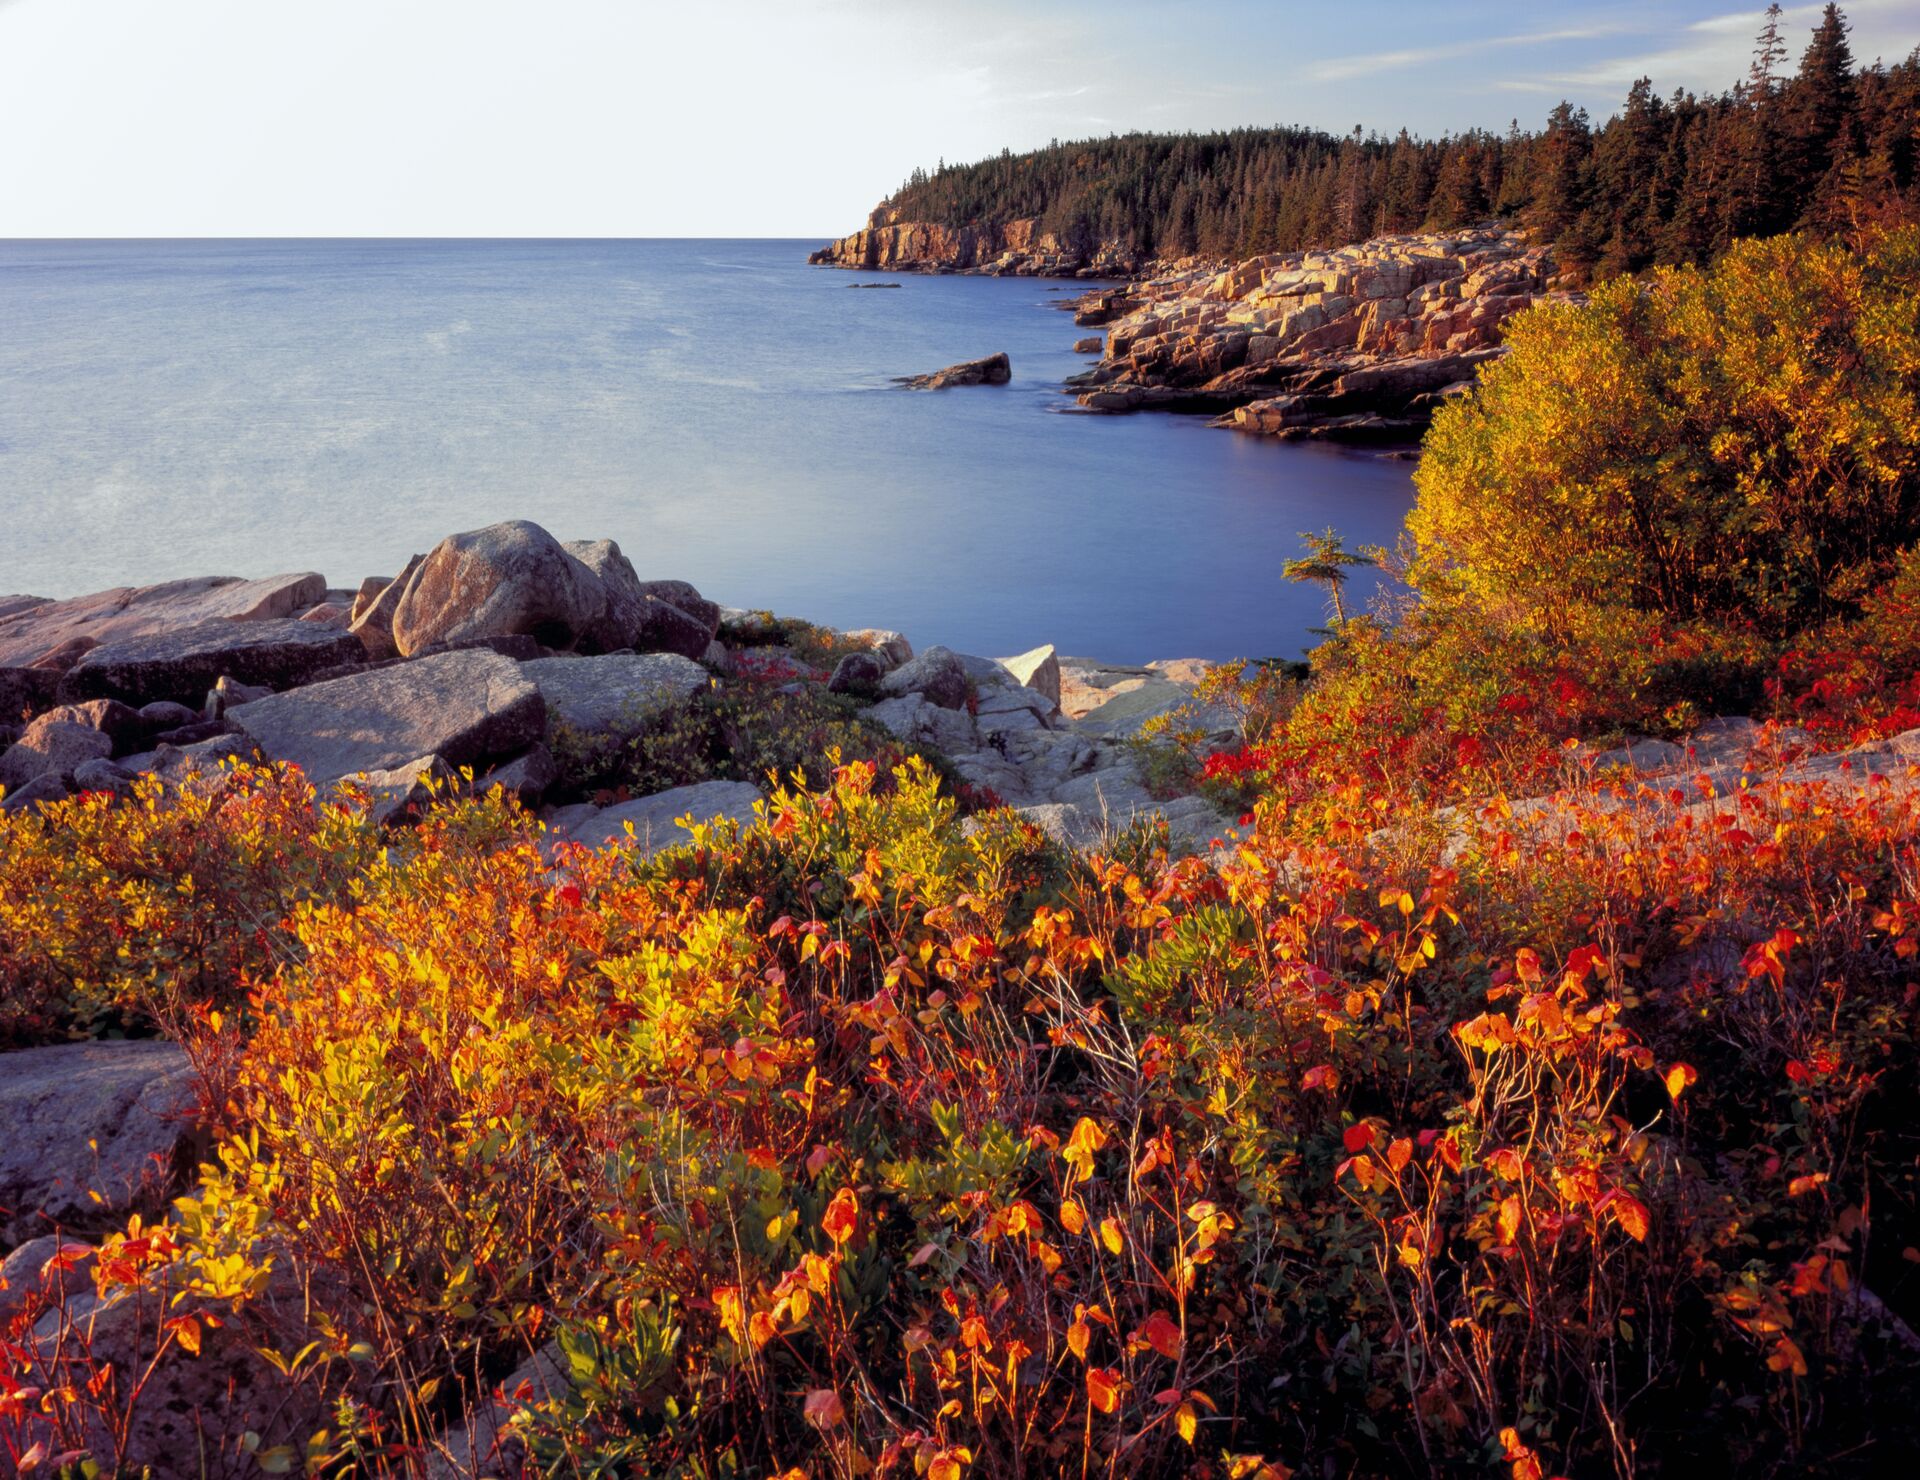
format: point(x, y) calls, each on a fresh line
point(723, 410)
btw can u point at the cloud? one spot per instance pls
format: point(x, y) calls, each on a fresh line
point(1714, 52)
point(1345, 69)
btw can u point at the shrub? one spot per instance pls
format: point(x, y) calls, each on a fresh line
point(1740, 441)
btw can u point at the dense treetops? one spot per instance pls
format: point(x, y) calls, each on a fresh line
point(1664, 181)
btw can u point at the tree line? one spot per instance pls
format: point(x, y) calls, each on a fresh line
point(1829, 146)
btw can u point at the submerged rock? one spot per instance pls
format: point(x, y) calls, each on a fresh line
point(995, 369)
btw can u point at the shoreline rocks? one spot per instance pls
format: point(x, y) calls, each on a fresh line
point(1359, 345)
point(489, 654)
point(1010, 248)
point(995, 369)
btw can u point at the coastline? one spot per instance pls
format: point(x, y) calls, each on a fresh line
point(1358, 345)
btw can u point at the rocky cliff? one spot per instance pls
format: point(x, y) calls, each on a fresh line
point(1012, 248)
point(1359, 344)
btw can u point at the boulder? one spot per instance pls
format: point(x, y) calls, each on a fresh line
point(911, 718)
point(993, 370)
point(37, 630)
point(624, 611)
point(49, 786)
point(119, 722)
point(511, 577)
point(1013, 707)
point(1038, 669)
point(1092, 344)
point(183, 664)
point(482, 1444)
point(890, 647)
point(103, 775)
point(328, 614)
point(164, 714)
point(51, 746)
point(1126, 714)
point(373, 612)
point(684, 595)
point(391, 793)
point(467, 707)
point(94, 1131)
point(365, 594)
point(526, 777)
point(666, 628)
point(26, 691)
point(615, 693)
point(193, 734)
point(857, 673)
point(226, 694)
point(205, 1413)
point(655, 820)
point(29, 1274)
point(937, 673)
point(174, 763)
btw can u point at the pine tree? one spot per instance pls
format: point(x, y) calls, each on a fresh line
point(1818, 111)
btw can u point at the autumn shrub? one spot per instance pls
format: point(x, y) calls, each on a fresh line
point(872, 1139)
point(1735, 442)
point(141, 914)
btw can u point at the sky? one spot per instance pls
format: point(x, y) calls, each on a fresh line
point(755, 118)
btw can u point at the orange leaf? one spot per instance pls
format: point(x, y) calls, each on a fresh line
point(1103, 1388)
point(1111, 1236)
point(1680, 1078)
point(1162, 1333)
point(1509, 1219)
point(842, 1216)
point(1633, 1216)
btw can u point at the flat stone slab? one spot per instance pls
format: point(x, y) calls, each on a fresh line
point(613, 694)
point(182, 664)
point(30, 628)
point(1128, 711)
point(81, 1118)
point(656, 819)
point(467, 707)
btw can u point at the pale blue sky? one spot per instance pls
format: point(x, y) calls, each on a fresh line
point(783, 118)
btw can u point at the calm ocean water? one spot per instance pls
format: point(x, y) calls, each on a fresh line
point(718, 407)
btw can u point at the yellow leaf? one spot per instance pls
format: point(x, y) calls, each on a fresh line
point(1111, 1236)
point(1186, 1421)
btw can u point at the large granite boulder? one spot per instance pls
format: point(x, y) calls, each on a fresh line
point(182, 664)
point(1038, 669)
point(509, 578)
point(613, 694)
point(675, 618)
point(373, 612)
point(655, 820)
point(466, 707)
point(625, 602)
point(937, 673)
point(93, 1131)
point(31, 631)
point(51, 746)
point(912, 718)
